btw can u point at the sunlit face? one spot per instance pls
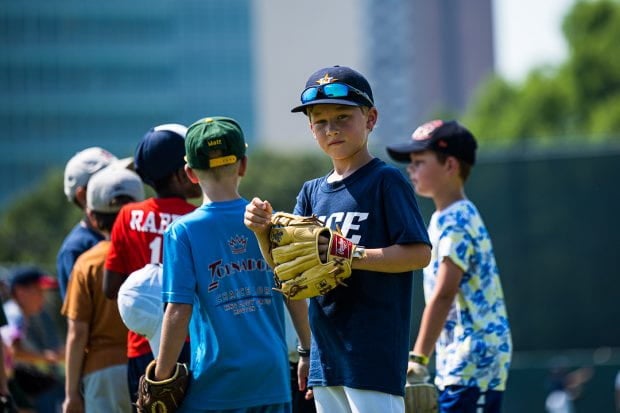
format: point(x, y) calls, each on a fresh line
point(341, 131)
point(426, 173)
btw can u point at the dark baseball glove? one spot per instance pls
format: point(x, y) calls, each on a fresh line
point(163, 396)
point(7, 405)
point(299, 269)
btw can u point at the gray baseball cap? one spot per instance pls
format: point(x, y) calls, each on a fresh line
point(82, 166)
point(108, 184)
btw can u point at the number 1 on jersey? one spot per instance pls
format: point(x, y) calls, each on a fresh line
point(155, 247)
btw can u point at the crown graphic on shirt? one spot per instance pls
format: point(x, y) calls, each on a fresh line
point(238, 244)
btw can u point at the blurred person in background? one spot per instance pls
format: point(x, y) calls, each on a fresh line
point(34, 370)
point(6, 401)
point(96, 360)
point(83, 236)
point(565, 386)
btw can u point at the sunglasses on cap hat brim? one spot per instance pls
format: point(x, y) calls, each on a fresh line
point(333, 90)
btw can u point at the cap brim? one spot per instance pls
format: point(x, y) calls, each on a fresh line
point(48, 282)
point(400, 151)
point(302, 108)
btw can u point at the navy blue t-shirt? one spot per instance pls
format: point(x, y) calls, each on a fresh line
point(79, 240)
point(361, 332)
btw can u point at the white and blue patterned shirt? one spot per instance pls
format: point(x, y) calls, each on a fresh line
point(475, 345)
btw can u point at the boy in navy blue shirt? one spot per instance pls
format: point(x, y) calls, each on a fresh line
point(360, 333)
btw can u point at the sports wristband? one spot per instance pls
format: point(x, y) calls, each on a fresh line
point(359, 252)
point(303, 352)
point(418, 358)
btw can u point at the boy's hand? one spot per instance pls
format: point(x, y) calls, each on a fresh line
point(257, 215)
point(417, 373)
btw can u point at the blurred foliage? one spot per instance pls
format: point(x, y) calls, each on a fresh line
point(580, 97)
point(33, 227)
point(279, 177)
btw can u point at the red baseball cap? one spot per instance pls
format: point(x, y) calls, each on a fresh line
point(29, 275)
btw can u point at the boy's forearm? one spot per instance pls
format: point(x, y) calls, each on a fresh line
point(433, 319)
point(298, 309)
point(4, 388)
point(173, 335)
point(77, 337)
point(265, 247)
point(394, 259)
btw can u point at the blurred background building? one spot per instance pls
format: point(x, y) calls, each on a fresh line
point(77, 74)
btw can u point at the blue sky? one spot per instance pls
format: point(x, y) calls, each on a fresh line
point(528, 34)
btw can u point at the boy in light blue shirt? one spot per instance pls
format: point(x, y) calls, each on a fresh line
point(216, 281)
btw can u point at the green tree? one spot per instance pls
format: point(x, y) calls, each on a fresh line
point(279, 177)
point(33, 227)
point(578, 98)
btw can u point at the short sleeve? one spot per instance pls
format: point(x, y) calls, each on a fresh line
point(179, 279)
point(78, 305)
point(456, 245)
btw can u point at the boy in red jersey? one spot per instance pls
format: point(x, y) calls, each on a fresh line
point(137, 235)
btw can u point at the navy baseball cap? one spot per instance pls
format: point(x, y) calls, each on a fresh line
point(338, 85)
point(449, 137)
point(160, 153)
point(27, 275)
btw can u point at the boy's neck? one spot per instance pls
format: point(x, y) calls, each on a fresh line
point(219, 192)
point(344, 168)
point(448, 197)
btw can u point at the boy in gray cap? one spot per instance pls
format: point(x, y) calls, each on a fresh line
point(83, 236)
point(96, 361)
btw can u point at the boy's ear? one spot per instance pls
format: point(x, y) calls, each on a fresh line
point(371, 118)
point(191, 174)
point(243, 166)
point(92, 219)
point(453, 164)
point(80, 196)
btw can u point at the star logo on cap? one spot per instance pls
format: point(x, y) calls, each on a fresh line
point(326, 79)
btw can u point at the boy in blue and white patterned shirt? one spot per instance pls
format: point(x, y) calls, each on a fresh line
point(465, 316)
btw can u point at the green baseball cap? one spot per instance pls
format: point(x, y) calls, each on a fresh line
point(213, 142)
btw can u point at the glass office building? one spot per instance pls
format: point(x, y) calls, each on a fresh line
point(75, 74)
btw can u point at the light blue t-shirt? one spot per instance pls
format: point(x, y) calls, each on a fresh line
point(238, 351)
point(475, 345)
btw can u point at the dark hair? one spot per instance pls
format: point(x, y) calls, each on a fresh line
point(165, 184)
point(464, 167)
point(105, 220)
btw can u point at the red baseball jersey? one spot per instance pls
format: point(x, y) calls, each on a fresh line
point(137, 240)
